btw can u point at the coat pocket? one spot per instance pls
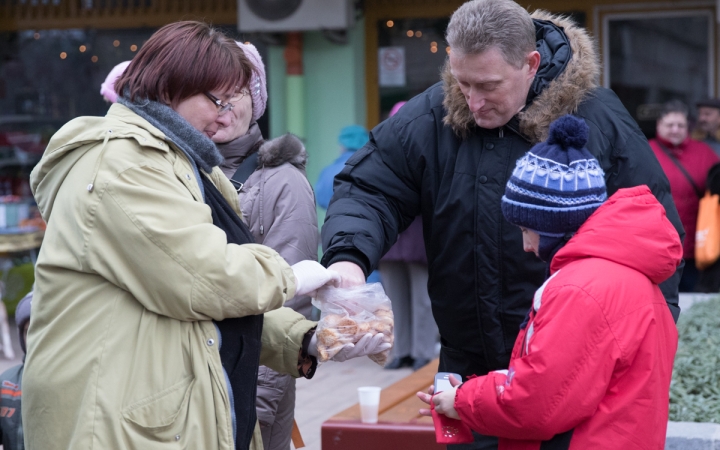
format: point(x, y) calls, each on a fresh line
point(159, 412)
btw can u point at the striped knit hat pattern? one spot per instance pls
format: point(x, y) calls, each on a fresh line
point(556, 185)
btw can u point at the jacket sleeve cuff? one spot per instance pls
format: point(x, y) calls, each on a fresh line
point(282, 340)
point(353, 256)
point(307, 364)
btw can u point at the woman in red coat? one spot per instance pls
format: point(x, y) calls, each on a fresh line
point(591, 368)
point(686, 163)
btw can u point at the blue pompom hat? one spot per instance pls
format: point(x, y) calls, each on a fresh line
point(556, 185)
point(353, 137)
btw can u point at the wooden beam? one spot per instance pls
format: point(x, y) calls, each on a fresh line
point(68, 14)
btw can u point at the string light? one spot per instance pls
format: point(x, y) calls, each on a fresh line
point(94, 59)
point(390, 23)
point(447, 49)
point(63, 55)
point(82, 49)
point(116, 43)
point(418, 34)
point(433, 47)
point(133, 48)
point(36, 35)
point(410, 33)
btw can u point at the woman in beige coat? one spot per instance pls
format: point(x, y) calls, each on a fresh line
point(146, 263)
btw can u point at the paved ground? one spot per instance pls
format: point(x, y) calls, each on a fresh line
point(333, 389)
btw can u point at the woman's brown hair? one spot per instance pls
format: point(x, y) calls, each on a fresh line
point(183, 59)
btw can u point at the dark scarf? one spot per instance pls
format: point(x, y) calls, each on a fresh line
point(240, 354)
point(199, 148)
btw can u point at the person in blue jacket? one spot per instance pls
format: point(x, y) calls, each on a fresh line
point(351, 138)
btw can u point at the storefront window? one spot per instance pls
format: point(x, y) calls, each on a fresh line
point(411, 56)
point(48, 77)
point(56, 74)
point(656, 58)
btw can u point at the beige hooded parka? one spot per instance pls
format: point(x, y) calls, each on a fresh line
point(122, 350)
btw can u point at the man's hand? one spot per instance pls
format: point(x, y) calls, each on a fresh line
point(311, 276)
point(351, 274)
point(444, 401)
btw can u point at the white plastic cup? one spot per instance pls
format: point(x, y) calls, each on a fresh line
point(369, 397)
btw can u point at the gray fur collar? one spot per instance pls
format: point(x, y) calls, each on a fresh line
point(287, 148)
point(562, 96)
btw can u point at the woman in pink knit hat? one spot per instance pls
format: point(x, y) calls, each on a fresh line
point(278, 206)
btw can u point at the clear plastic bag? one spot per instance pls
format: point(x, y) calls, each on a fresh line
point(348, 314)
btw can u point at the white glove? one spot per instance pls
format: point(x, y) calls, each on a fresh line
point(311, 276)
point(367, 345)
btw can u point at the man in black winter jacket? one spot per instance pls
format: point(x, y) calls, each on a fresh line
point(447, 155)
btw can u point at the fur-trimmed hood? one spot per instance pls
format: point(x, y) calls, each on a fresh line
point(561, 95)
point(287, 148)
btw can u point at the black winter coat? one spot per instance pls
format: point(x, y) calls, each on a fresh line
point(431, 159)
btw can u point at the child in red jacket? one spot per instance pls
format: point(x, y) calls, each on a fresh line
point(591, 368)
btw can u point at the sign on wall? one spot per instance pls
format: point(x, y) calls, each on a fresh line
point(391, 64)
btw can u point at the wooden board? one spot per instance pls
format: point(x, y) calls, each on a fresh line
point(398, 393)
point(399, 426)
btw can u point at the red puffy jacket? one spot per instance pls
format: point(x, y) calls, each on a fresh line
point(592, 368)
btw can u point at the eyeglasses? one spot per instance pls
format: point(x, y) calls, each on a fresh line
point(222, 108)
point(240, 95)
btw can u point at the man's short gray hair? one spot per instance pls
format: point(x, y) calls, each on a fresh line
point(480, 25)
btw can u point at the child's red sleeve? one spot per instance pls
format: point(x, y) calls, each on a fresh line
point(558, 379)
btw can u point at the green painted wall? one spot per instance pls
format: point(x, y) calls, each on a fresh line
point(334, 85)
point(295, 105)
point(276, 91)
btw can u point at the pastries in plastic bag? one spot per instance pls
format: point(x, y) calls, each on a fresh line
point(348, 314)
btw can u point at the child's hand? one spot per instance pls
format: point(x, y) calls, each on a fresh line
point(425, 398)
point(444, 401)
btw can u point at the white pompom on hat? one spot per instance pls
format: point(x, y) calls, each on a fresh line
point(258, 83)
